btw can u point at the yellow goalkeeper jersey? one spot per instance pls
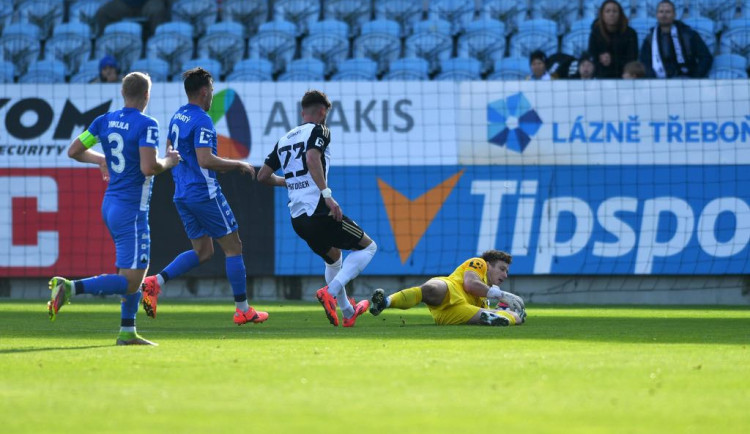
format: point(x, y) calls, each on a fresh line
point(477, 265)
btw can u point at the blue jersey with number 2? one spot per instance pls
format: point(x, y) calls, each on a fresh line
point(189, 129)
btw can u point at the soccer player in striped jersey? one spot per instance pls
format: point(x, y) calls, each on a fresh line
point(461, 298)
point(130, 140)
point(303, 154)
point(204, 210)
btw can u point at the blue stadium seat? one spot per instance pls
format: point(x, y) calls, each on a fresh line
point(705, 27)
point(156, 68)
point(300, 12)
point(460, 69)
point(200, 13)
point(576, 40)
point(484, 39)
point(728, 66)
point(405, 12)
point(380, 40)
point(44, 71)
point(650, 7)
point(590, 10)
point(357, 69)
point(736, 38)
point(6, 13)
point(328, 41)
point(409, 68)
point(274, 41)
point(121, 40)
point(84, 12)
point(7, 71)
point(249, 13)
point(173, 43)
point(536, 34)
point(431, 40)
point(211, 65)
point(457, 12)
point(509, 12)
point(20, 44)
point(642, 25)
point(721, 11)
point(87, 72)
point(224, 42)
point(252, 70)
point(561, 12)
point(307, 69)
point(355, 13)
point(71, 44)
point(511, 68)
point(44, 13)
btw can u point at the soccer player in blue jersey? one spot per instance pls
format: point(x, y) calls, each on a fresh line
point(130, 141)
point(204, 211)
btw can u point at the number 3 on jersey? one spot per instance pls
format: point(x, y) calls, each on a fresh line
point(289, 150)
point(118, 160)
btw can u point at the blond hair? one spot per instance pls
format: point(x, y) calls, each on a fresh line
point(135, 85)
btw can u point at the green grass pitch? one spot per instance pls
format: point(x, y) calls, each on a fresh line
point(569, 369)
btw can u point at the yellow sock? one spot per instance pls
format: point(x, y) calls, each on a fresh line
point(406, 298)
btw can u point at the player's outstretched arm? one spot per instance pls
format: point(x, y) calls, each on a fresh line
point(208, 160)
point(80, 152)
point(266, 176)
point(152, 165)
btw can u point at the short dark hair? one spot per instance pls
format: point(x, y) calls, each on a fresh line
point(538, 54)
point(492, 256)
point(315, 97)
point(196, 78)
point(669, 2)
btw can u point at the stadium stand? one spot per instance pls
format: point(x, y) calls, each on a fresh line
point(223, 41)
point(173, 43)
point(736, 38)
point(729, 66)
point(87, 72)
point(300, 12)
point(563, 13)
point(84, 11)
point(7, 71)
point(275, 41)
point(252, 70)
point(44, 71)
point(509, 12)
point(355, 13)
point(405, 12)
point(431, 40)
point(535, 34)
point(200, 13)
point(357, 69)
point(211, 65)
point(483, 39)
point(71, 44)
point(457, 12)
point(250, 13)
point(460, 69)
point(408, 68)
point(157, 68)
point(122, 40)
point(380, 40)
point(20, 45)
point(576, 40)
point(307, 69)
point(44, 13)
point(511, 68)
point(6, 13)
point(327, 41)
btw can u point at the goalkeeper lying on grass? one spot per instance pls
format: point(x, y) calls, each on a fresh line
point(461, 298)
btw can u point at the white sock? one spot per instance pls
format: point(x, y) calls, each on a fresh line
point(332, 270)
point(242, 305)
point(388, 302)
point(127, 329)
point(337, 290)
point(160, 280)
point(355, 262)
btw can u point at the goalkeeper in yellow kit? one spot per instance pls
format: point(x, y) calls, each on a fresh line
point(462, 297)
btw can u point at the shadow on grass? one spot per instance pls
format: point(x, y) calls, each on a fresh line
point(33, 350)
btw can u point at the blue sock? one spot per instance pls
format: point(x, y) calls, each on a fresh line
point(128, 309)
point(237, 278)
point(183, 263)
point(106, 284)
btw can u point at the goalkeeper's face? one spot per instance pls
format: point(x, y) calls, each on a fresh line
point(497, 272)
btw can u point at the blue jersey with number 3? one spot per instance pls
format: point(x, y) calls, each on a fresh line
point(189, 129)
point(122, 133)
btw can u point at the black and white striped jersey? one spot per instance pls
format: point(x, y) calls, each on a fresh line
point(289, 156)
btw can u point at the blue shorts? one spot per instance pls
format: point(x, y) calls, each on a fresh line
point(211, 217)
point(129, 229)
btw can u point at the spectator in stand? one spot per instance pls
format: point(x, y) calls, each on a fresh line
point(154, 11)
point(586, 67)
point(672, 49)
point(612, 42)
point(633, 70)
point(109, 70)
point(538, 65)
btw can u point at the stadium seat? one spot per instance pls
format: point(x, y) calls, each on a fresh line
point(649, 7)
point(308, 69)
point(642, 26)
point(357, 69)
point(728, 66)
point(87, 72)
point(483, 39)
point(460, 69)
point(511, 68)
point(300, 12)
point(328, 41)
point(44, 71)
point(275, 41)
point(705, 28)
point(200, 13)
point(249, 13)
point(561, 12)
point(20, 45)
point(157, 68)
point(121, 40)
point(7, 71)
point(380, 40)
point(173, 43)
point(457, 12)
point(6, 13)
point(536, 34)
point(211, 65)
point(736, 38)
point(720, 11)
point(355, 13)
point(405, 12)
point(409, 68)
point(84, 11)
point(252, 70)
point(44, 13)
point(576, 40)
point(71, 44)
point(431, 40)
point(590, 10)
point(509, 12)
point(224, 42)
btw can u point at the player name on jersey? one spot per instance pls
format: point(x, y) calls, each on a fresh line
point(119, 125)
